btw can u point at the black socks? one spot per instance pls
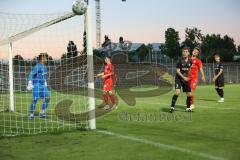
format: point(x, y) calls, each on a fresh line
point(220, 92)
point(188, 101)
point(174, 100)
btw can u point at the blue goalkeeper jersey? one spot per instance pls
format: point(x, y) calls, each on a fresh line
point(38, 75)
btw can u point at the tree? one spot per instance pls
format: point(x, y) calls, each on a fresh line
point(34, 61)
point(71, 50)
point(193, 37)
point(63, 58)
point(213, 44)
point(96, 52)
point(162, 49)
point(18, 60)
point(50, 60)
point(107, 42)
point(172, 46)
point(142, 52)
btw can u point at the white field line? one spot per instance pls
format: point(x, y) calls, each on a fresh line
point(161, 145)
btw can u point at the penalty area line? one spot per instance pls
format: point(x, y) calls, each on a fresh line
point(161, 145)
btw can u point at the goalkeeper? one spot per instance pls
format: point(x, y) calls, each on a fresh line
point(37, 83)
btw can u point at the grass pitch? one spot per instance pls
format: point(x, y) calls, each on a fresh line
point(145, 131)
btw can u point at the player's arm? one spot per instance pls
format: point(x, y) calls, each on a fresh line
point(45, 77)
point(181, 75)
point(32, 73)
point(178, 72)
point(110, 74)
point(201, 71)
point(220, 72)
point(30, 77)
point(99, 74)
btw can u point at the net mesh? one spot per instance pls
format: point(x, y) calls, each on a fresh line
point(67, 74)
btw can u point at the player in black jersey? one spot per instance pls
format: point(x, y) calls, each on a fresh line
point(182, 78)
point(218, 77)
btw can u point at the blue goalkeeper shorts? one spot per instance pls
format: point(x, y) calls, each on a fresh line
point(40, 91)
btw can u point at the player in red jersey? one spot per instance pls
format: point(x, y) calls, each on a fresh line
point(109, 78)
point(196, 65)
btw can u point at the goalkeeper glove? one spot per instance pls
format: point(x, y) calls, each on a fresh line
point(45, 83)
point(29, 86)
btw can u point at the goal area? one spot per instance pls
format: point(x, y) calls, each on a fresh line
point(70, 74)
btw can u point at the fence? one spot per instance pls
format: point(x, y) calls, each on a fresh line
point(139, 70)
point(231, 69)
point(231, 72)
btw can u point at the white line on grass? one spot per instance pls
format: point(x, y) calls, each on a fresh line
point(161, 145)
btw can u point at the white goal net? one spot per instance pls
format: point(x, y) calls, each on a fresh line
point(59, 36)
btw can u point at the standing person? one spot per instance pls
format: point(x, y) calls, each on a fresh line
point(195, 67)
point(38, 84)
point(109, 78)
point(218, 77)
point(182, 79)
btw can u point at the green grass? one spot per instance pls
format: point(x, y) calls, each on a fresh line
point(213, 132)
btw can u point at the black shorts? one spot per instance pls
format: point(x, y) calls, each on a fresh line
point(219, 82)
point(184, 85)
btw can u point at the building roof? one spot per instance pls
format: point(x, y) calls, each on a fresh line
point(132, 46)
point(156, 46)
point(122, 47)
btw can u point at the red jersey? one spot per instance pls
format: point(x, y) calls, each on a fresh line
point(109, 68)
point(196, 64)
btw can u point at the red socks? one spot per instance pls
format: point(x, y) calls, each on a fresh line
point(112, 98)
point(105, 98)
point(192, 99)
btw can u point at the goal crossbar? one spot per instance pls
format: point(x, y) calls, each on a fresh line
point(35, 29)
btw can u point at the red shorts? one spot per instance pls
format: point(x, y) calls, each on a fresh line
point(108, 86)
point(193, 83)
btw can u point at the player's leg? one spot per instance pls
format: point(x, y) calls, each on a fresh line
point(105, 97)
point(108, 94)
point(193, 86)
point(188, 101)
point(187, 89)
point(45, 94)
point(219, 84)
point(112, 98)
point(35, 98)
point(216, 87)
point(175, 96)
point(32, 107)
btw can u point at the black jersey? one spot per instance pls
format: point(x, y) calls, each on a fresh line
point(218, 67)
point(184, 67)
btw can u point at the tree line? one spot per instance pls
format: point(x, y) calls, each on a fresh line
point(71, 52)
point(210, 44)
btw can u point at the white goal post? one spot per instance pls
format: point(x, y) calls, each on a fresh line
point(10, 63)
point(92, 121)
point(90, 67)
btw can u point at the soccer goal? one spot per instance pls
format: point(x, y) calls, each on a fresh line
point(70, 76)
